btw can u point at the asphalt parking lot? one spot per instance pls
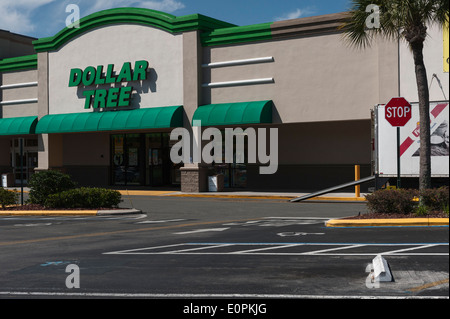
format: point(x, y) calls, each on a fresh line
point(190, 248)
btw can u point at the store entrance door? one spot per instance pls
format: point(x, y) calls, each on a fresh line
point(127, 160)
point(159, 163)
point(155, 169)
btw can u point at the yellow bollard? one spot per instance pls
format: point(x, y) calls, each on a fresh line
point(357, 177)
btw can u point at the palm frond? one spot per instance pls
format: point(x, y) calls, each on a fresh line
point(395, 16)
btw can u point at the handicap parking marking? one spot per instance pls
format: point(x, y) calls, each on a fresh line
point(291, 249)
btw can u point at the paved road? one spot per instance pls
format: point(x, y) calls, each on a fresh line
point(216, 248)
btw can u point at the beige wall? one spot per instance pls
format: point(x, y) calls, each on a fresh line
point(433, 58)
point(117, 44)
point(18, 93)
point(316, 78)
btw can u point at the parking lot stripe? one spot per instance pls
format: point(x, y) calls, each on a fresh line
point(267, 248)
point(407, 249)
point(332, 249)
point(195, 249)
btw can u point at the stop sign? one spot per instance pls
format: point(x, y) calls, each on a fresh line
point(398, 112)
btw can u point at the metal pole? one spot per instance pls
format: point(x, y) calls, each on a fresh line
point(357, 178)
point(399, 182)
point(21, 170)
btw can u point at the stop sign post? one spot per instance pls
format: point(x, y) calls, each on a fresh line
point(398, 112)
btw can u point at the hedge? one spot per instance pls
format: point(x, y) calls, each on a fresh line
point(8, 197)
point(84, 197)
point(45, 183)
point(406, 201)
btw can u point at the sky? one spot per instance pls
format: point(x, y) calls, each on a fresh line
point(44, 18)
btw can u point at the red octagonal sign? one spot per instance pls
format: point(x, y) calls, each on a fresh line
point(398, 112)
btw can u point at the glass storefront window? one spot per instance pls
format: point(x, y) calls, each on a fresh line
point(235, 174)
point(142, 159)
point(126, 159)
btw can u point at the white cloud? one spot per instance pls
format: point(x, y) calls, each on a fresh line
point(15, 16)
point(297, 13)
point(161, 5)
point(18, 16)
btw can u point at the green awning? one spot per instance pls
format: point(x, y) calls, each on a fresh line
point(259, 112)
point(18, 125)
point(148, 118)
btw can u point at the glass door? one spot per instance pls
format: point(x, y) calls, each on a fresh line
point(133, 169)
point(126, 159)
point(118, 160)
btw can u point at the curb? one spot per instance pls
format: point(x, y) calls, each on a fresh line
point(427, 222)
point(70, 212)
point(337, 199)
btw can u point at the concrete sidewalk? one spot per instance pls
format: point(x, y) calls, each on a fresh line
point(244, 194)
point(248, 195)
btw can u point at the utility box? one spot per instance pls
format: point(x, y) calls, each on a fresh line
point(8, 180)
point(216, 183)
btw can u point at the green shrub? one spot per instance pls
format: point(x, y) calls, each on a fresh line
point(392, 201)
point(421, 210)
point(84, 198)
point(435, 199)
point(8, 197)
point(45, 183)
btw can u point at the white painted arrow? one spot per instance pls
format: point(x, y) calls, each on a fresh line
point(202, 231)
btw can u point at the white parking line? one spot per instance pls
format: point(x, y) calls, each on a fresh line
point(267, 248)
point(407, 249)
point(270, 249)
point(332, 249)
point(195, 249)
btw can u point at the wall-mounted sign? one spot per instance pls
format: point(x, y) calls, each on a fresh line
point(111, 97)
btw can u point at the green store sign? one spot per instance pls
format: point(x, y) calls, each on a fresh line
point(114, 96)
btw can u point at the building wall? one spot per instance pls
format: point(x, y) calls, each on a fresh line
point(8, 94)
point(13, 45)
point(322, 89)
point(434, 63)
point(87, 157)
point(316, 78)
point(5, 157)
point(117, 44)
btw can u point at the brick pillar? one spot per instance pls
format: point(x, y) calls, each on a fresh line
point(194, 178)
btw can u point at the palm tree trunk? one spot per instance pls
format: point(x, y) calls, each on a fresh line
point(424, 111)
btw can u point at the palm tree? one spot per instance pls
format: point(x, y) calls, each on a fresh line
point(407, 20)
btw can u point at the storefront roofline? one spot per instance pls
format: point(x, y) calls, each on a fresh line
point(21, 63)
point(141, 16)
point(214, 32)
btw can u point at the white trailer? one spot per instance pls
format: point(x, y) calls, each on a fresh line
point(385, 143)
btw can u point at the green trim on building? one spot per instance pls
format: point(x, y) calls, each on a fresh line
point(232, 35)
point(18, 125)
point(141, 16)
point(26, 62)
point(148, 118)
point(243, 113)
